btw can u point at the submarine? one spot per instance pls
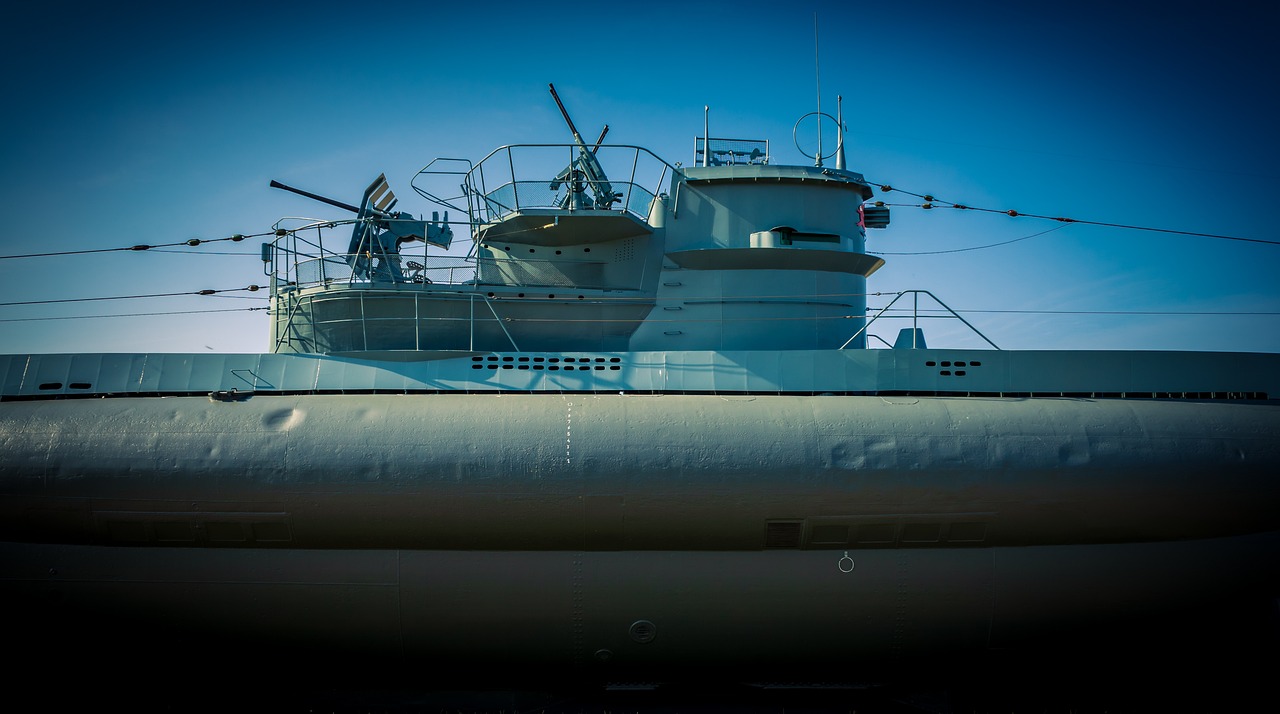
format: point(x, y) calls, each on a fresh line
point(638, 429)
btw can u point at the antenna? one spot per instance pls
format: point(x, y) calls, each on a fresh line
point(817, 78)
point(706, 135)
point(840, 164)
point(818, 156)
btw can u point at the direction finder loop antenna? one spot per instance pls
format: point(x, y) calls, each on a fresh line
point(817, 156)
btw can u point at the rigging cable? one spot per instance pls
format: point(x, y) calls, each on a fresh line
point(192, 242)
point(931, 202)
point(250, 288)
point(134, 314)
point(976, 247)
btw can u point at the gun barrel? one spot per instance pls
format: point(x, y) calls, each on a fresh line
point(564, 113)
point(322, 199)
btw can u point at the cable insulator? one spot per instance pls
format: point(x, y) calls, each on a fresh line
point(237, 238)
point(193, 242)
point(206, 292)
point(253, 288)
point(879, 204)
point(280, 233)
point(927, 197)
point(926, 205)
point(1012, 212)
point(959, 205)
point(886, 188)
point(140, 247)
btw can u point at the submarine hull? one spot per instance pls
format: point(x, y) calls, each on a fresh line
point(629, 612)
point(634, 533)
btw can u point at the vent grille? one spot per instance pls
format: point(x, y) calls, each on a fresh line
point(626, 250)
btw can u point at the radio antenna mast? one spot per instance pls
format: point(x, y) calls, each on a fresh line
point(817, 78)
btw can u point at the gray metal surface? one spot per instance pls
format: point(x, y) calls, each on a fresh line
point(620, 472)
point(1132, 374)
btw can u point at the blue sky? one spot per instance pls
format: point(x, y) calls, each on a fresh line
point(159, 123)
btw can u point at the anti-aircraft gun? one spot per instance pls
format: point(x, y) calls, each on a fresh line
point(374, 252)
point(583, 171)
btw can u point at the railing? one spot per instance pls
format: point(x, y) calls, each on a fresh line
point(727, 152)
point(547, 176)
point(300, 258)
point(404, 271)
point(523, 195)
point(915, 316)
point(296, 271)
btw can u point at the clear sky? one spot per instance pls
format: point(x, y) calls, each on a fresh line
point(158, 123)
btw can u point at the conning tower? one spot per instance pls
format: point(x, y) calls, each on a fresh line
point(581, 247)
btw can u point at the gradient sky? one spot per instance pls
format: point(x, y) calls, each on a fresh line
point(158, 123)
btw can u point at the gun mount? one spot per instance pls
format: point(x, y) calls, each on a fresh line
point(584, 171)
point(377, 232)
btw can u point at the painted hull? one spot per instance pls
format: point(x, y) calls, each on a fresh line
point(768, 531)
point(753, 612)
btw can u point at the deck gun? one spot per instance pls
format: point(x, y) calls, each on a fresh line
point(378, 232)
point(584, 170)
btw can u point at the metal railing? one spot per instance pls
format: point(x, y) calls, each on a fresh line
point(512, 197)
point(542, 176)
point(296, 271)
point(915, 316)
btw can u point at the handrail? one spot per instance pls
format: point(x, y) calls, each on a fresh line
point(915, 316)
point(440, 172)
point(525, 171)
